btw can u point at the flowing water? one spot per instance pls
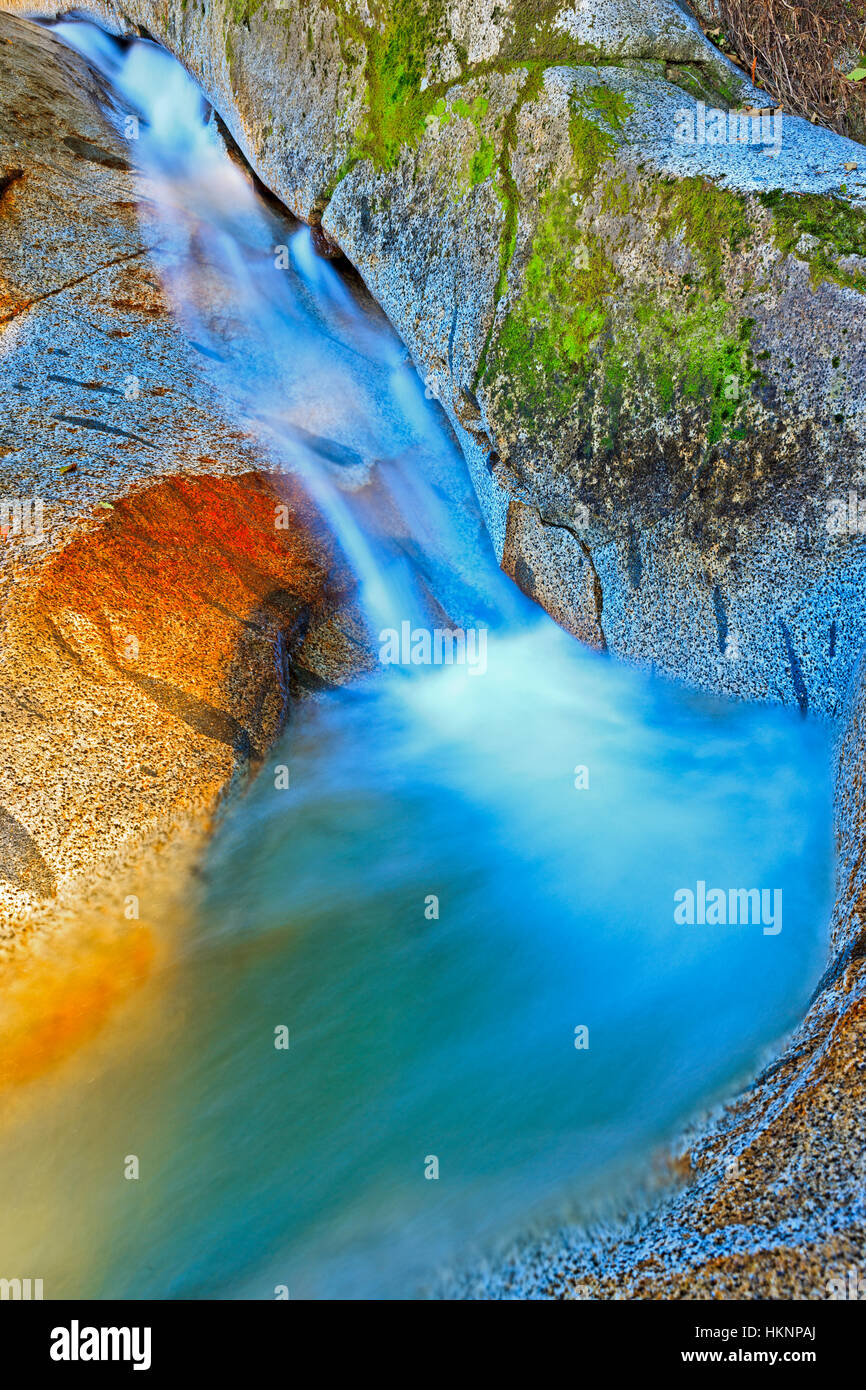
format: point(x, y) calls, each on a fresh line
point(459, 915)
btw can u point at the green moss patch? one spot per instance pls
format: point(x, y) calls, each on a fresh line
point(544, 347)
point(711, 219)
point(569, 339)
point(839, 229)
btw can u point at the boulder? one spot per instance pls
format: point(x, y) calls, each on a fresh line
point(156, 611)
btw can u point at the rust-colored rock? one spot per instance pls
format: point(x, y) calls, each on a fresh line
point(149, 662)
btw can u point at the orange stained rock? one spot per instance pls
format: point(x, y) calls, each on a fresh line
point(191, 555)
point(58, 999)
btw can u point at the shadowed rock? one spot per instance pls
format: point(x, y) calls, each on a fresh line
point(20, 861)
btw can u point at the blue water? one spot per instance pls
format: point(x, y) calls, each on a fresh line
point(439, 899)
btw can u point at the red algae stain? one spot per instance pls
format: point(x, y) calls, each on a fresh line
point(195, 536)
point(185, 565)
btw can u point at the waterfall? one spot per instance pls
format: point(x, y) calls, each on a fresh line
point(435, 989)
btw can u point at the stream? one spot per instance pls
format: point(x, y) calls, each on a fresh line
point(443, 988)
